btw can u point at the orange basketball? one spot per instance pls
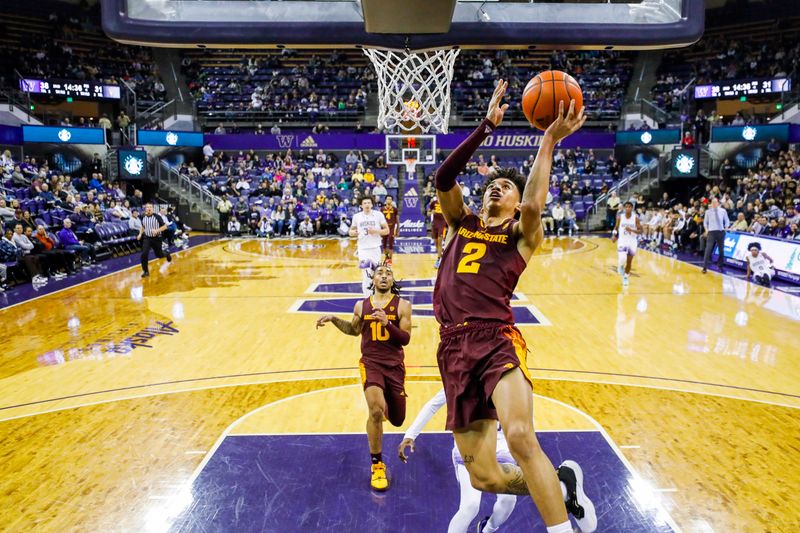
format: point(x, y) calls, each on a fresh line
point(543, 93)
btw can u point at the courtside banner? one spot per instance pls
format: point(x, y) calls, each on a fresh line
point(785, 254)
point(412, 219)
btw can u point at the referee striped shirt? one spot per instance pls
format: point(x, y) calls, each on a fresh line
point(151, 223)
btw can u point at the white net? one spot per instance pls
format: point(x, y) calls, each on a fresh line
point(413, 89)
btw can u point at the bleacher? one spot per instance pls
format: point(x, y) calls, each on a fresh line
point(28, 31)
point(603, 77)
point(227, 79)
point(726, 52)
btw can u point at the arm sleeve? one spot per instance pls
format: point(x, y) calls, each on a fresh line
point(425, 415)
point(398, 335)
point(458, 158)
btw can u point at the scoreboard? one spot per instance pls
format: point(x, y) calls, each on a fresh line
point(739, 88)
point(71, 88)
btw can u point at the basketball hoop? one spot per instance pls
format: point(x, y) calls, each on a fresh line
point(413, 88)
point(411, 166)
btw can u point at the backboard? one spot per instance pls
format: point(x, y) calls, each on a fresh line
point(587, 24)
point(411, 150)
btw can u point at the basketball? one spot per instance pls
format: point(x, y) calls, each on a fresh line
point(543, 93)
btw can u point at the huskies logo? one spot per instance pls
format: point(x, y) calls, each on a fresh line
point(172, 139)
point(64, 135)
point(133, 165)
point(411, 199)
point(285, 141)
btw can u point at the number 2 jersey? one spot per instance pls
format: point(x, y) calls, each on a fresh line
point(376, 347)
point(479, 271)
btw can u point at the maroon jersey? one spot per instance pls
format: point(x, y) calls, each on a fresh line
point(390, 214)
point(436, 209)
point(478, 274)
point(375, 344)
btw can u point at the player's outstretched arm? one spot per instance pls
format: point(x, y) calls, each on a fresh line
point(422, 419)
point(348, 328)
point(450, 196)
point(535, 195)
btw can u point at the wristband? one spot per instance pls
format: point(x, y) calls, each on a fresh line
point(398, 335)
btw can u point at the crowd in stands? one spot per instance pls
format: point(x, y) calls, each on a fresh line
point(54, 223)
point(275, 194)
point(765, 202)
point(51, 40)
point(284, 85)
point(603, 77)
point(765, 50)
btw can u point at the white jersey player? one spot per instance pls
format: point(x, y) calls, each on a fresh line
point(369, 226)
point(569, 473)
point(759, 264)
point(626, 235)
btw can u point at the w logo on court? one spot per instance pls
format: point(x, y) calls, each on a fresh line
point(285, 141)
point(410, 198)
point(340, 298)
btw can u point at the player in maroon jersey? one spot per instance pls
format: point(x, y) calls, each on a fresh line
point(482, 355)
point(384, 322)
point(438, 228)
point(389, 211)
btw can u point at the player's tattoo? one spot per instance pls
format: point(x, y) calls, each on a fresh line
point(344, 326)
point(516, 483)
point(468, 459)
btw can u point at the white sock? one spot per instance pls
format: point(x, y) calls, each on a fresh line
point(566, 527)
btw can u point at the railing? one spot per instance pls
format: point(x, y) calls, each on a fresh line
point(154, 116)
point(625, 185)
point(19, 99)
point(183, 183)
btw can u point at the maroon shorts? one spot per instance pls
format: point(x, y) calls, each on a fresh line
point(438, 228)
point(388, 240)
point(391, 379)
point(472, 358)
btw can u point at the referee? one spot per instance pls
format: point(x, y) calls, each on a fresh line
point(152, 226)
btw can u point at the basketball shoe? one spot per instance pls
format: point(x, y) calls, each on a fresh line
point(379, 480)
point(578, 504)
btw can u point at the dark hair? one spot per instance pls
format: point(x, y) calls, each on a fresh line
point(628, 203)
point(394, 289)
point(510, 174)
point(366, 198)
point(754, 245)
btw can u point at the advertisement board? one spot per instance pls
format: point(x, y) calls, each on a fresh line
point(63, 135)
point(785, 254)
point(169, 138)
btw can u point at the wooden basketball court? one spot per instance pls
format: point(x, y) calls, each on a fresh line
point(116, 394)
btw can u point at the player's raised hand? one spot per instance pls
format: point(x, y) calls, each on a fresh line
point(324, 320)
point(401, 450)
point(496, 111)
point(563, 126)
point(380, 316)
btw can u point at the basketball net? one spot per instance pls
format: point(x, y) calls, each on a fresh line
point(411, 166)
point(413, 88)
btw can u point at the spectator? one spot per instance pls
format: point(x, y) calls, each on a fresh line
point(306, 228)
point(740, 224)
point(224, 208)
point(104, 122)
point(558, 216)
point(275, 129)
point(688, 140)
point(570, 218)
point(69, 241)
point(391, 182)
point(134, 223)
point(32, 264)
point(123, 121)
point(612, 209)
